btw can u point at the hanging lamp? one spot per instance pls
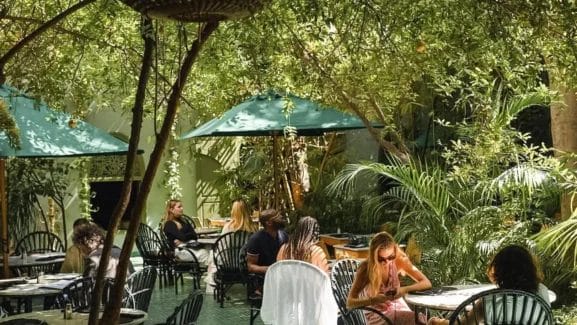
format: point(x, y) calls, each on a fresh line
point(196, 10)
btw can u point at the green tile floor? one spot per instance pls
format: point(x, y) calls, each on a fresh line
point(235, 310)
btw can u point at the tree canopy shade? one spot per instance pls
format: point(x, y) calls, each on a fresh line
point(44, 132)
point(272, 113)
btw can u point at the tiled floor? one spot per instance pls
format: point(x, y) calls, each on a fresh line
point(235, 311)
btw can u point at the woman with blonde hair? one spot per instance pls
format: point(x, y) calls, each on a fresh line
point(377, 282)
point(240, 218)
point(303, 245)
point(177, 231)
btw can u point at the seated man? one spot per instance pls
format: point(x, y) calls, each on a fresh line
point(263, 246)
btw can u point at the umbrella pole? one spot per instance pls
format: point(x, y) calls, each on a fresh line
point(275, 170)
point(4, 208)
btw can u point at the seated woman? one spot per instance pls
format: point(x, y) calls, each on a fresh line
point(181, 233)
point(75, 255)
point(302, 245)
point(377, 282)
point(240, 218)
point(513, 267)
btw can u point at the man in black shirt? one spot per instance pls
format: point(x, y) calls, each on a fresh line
point(263, 246)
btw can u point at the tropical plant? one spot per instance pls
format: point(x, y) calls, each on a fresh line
point(462, 213)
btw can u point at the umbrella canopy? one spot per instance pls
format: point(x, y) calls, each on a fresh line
point(271, 113)
point(43, 132)
point(48, 133)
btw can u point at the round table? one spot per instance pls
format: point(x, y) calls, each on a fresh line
point(56, 317)
point(450, 297)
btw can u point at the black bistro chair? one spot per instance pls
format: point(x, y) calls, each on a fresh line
point(139, 288)
point(179, 268)
point(77, 293)
point(188, 311)
point(39, 242)
point(342, 276)
point(155, 253)
point(504, 307)
point(229, 259)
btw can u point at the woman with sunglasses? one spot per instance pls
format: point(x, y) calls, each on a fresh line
point(377, 284)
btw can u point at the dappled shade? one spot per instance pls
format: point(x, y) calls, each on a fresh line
point(48, 133)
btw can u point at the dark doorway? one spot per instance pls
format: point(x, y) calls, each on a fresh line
point(104, 199)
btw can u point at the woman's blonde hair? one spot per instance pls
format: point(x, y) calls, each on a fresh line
point(241, 217)
point(168, 216)
point(382, 240)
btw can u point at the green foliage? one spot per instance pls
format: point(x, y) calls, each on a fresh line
point(462, 211)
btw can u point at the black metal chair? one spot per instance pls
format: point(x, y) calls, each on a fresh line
point(39, 242)
point(342, 276)
point(188, 311)
point(229, 259)
point(139, 288)
point(179, 268)
point(77, 293)
point(504, 307)
point(155, 253)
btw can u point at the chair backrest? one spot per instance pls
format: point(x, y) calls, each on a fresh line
point(78, 294)
point(296, 292)
point(342, 277)
point(139, 287)
point(188, 311)
point(39, 242)
point(148, 243)
point(504, 307)
point(229, 252)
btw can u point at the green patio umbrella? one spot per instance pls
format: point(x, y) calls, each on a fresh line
point(271, 113)
point(43, 132)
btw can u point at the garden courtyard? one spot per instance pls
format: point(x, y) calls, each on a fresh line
point(450, 125)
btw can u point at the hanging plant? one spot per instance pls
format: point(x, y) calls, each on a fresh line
point(8, 124)
point(172, 169)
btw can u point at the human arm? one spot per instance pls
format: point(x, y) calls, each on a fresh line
point(252, 264)
point(175, 235)
point(405, 265)
point(361, 280)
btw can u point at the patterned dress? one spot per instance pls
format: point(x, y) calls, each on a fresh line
point(396, 310)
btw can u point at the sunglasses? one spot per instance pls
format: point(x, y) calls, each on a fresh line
point(385, 259)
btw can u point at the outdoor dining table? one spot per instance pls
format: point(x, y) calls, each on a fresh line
point(447, 299)
point(25, 265)
point(56, 317)
point(205, 232)
point(26, 289)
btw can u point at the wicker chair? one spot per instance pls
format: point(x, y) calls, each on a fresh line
point(188, 311)
point(342, 276)
point(505, 307)
point(155, 253)
point(39, 242)
point(229, 260)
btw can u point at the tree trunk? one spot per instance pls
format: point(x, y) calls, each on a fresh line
point(137, 116)
point(112, 310)
point(564, 134)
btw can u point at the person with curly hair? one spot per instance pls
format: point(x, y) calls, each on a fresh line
point(75, 255)
point(513, 267)
point(303, 245)
point(377, 283)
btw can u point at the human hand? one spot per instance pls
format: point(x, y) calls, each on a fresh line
point(437, 321)
point(400, 292)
